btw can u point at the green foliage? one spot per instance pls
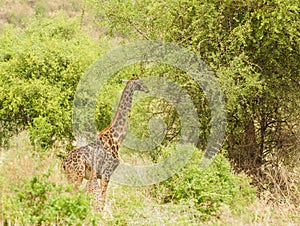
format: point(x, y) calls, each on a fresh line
point(40, 68)
point(108, 100)
point(253, 46)
point(150, 108)
point(38, 200)
point(207, 190)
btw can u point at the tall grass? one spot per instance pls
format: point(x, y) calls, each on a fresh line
point(34, 191)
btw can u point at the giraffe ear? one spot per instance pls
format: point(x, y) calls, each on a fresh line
point(125, 81)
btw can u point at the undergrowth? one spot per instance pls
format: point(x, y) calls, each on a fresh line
point(33, 191)
point(38, 200)
point(208, 190)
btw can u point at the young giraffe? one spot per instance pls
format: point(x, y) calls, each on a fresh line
point(104, 149)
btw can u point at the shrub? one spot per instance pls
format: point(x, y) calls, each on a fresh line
point(40, 67)
point(207, 190)
point(40, 201)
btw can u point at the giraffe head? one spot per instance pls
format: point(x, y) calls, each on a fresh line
point(138, 84)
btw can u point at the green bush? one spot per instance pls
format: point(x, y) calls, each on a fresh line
point(38, 201)
point(40, 67)
point(207, 190)
point(253, 46)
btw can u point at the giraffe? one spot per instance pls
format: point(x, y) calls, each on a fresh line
point(104, 150)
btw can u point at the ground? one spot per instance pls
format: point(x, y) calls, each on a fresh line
point(133, 205)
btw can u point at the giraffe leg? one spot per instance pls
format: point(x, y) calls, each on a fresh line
point(73, 178)
point(103, 187)
point(76, 176)
point(75, 170)
point(78, 182)
point(93, 187)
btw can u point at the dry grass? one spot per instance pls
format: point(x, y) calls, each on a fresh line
point(125, 205)
point(260, 213)
point(20, 162)
point(19, 12)
point(134, 205)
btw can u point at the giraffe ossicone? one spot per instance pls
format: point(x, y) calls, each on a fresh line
point(100, 158)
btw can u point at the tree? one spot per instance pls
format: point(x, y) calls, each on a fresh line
point(253, 46)
point(40, 68)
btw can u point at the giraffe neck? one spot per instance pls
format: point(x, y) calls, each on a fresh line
point(119, 123)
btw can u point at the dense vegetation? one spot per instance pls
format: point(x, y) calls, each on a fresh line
point(254, 49)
